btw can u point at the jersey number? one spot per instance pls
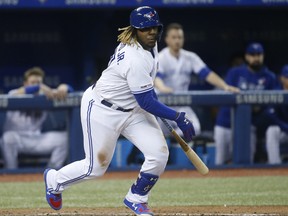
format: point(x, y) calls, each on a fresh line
point(120, 56)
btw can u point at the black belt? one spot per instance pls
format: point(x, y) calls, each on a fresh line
point(108, 104)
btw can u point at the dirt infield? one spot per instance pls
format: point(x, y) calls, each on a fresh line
point(171, 211)
point(175, 210)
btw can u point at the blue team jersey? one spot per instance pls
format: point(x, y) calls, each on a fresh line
point(244, 79)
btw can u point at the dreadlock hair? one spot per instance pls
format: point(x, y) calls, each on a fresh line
point(127, 36)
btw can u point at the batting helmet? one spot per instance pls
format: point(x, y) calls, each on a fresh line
point(145, 17)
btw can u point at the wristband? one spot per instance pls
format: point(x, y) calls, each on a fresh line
point(70, 88)
point(31, 89)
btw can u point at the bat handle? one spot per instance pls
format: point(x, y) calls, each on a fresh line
point(193, 157)
point(167, 124)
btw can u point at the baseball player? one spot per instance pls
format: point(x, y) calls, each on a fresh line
point(22, 129)
point(277, 133)
point(123, 101)
point(175, 67)
point(250, 76)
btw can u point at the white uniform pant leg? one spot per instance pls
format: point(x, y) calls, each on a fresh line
point(100, 136)
point(10, 146)
point(56, 144)
point(273, 144)
point(223, 144)
point(145, 133)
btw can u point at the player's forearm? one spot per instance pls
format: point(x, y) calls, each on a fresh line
point(218, 82)
point(65, 88)
point(149, 103)
point(159, 84)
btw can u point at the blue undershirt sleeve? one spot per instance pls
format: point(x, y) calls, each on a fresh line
point(204, 73)
point(31, 89)
point(160, 75)
point(148, 101)
point(70, 88)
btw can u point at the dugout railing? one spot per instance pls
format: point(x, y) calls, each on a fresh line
point(240, 105)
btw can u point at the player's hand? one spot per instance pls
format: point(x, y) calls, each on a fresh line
point(232, 89)
point(186, 126)
point(61, 92)
point(47, 91)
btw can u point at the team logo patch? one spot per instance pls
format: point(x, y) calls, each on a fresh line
point(261, 81)
point(149, 15)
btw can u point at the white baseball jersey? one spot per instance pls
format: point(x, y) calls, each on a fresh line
point(177, 71)
point(131, 70)
point(24, 122)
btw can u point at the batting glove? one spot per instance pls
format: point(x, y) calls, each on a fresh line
point(186, 126)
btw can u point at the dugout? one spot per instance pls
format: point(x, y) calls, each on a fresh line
point(74, 43)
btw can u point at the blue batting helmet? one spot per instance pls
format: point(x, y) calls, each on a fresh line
point(145, 17)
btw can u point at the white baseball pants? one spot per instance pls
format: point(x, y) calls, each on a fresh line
point(53, 142)
point(274, 137)
point(224, 144)
point(101, 128)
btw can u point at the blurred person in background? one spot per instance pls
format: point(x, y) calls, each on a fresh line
point(175, 68)
point(253, 75)
point(277, 132)
point(22, 128)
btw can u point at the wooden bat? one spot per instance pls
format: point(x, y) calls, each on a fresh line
point(190, 153)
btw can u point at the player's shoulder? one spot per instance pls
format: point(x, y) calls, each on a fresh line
point(13, 92)
point(134, 51)
point(127, 54)
point(164, 52)
point(135, 56)
point(125, 48)
point(188, 53)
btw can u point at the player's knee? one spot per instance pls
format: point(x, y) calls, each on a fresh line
point(101, 164)
point(10, 138)
point(61, 137)
point(161, 159)
point(273, 131)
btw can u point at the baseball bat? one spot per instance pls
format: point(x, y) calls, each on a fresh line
point(190, 153)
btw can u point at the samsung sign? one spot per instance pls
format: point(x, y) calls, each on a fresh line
point(4, 102)
point(260, 99)
point(176, 100)
point(90, 2)
point(8, 2)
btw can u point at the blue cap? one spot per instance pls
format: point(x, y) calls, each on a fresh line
point(255, 48)
point(284, 71)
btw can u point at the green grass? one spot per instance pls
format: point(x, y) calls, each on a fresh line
point(168, 192)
